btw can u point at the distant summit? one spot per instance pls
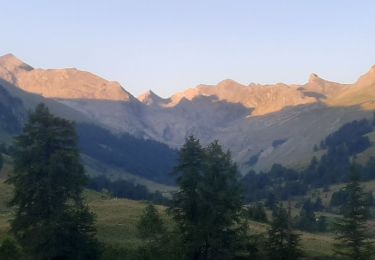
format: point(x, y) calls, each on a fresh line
point(150, 98)
point(11, 63)
point(60, 83)
point(261, 99)
point(72, 83)
point(361, 93)
point(322, 88)
point(10, 66)
point(247, 119)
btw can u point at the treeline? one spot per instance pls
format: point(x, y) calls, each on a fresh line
point(341, 146)
point(208, 220)
point(126, 189)
point(280, 183)
point(146, 158)
point(340, 197)
point(51, 219)
point(305, 220)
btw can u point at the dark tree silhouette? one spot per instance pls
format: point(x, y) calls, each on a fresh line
point(282, 243)
point(51, 220)
point(351, 230)
point(208, 205)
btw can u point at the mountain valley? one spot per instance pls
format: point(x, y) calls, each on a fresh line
point(260, 124)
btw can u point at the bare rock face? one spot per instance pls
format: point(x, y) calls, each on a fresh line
point(151, 99)
point(10, 66)
point(276, 123)
point(261, 99)
point(361, 93)
point(321, 88)
point(60, 83)
point(70, 84)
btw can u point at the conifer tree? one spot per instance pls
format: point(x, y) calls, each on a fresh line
point(150, 225)
point(282, 243)
point(351, 230)
point(51, 220)
point(208, 205)
point(307, 218)
point(9, 250)
point(185, 202)
point(151, 229)
point(221, 204)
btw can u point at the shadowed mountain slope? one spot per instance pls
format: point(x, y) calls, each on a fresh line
point(261, 124)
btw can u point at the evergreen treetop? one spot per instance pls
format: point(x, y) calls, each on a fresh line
point(51, 219)
point(282, 243)
point(351, 230)
point(208, 205)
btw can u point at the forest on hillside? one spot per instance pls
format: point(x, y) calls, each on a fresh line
point(339, 150)
point(208, 216)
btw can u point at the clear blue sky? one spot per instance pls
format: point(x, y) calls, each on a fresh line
point(168, 46)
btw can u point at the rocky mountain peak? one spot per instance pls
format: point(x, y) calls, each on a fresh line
point(227, 83)
point(314, 77)
point(69, 83)
point(321, 88)
point(150, 98)
point(368, 78)
point(261, 99)
point(11, 66)
point(371, 73)
point(11, 63)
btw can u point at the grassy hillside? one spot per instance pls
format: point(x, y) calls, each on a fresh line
point(149, 162)
point(363, 157)
point(117, 218)
point(94, 169)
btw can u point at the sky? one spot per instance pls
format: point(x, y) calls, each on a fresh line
point(169, 46)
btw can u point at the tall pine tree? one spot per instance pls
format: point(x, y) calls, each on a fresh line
point(351, 230)
point(282, 243)
point(208, 205)
point(152, 231)
point(185, 202)
point(150, 225)
point(221, 200)
point(51, 220)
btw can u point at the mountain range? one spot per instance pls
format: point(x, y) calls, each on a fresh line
point(260, 124)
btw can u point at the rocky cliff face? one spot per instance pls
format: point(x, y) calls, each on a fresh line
point(261, 124)
point(261, 99)
point(361, 93)
point(60, 83)
point(322, 89)
point(10, 67)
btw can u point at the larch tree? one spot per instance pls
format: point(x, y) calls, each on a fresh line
point(51, 219)
point(221, 201)
point(282, 242)
point(208, 205)
point(185, 202)
point(150, 225)
point(352, 234)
